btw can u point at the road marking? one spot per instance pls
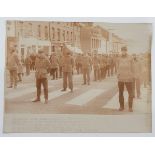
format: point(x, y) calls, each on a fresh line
point(85, 97)
point(20, 93)
point(58, 93)
point(139, 105)
point(113, 103)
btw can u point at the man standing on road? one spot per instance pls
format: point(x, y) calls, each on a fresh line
point(125, 78)
point(54, 66)
point(13, 63)
point(96, 67)
point(86, 66)
point(42, 66)
point(27, 64)
point(67, 68)
point(137, 75)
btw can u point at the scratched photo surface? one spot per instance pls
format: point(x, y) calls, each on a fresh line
point(77, 77)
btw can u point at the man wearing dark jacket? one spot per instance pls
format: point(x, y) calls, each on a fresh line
point(125, 78)
point(42, 66)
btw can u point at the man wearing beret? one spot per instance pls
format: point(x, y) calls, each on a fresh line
point(42, 65)
point(125, 78)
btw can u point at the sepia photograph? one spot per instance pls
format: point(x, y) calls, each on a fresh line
point(77, 77)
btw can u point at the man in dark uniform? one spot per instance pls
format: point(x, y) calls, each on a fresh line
point(42, 66)
point(67, 68)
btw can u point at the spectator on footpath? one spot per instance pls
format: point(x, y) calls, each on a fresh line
point(20, 71)
point(42, 66)
point(86, 67)
point(67, 68)
point(27, 64)
point(13, 62)
point(137, 70)
point(125, 78)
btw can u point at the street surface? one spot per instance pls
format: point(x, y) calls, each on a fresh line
point(99, 100)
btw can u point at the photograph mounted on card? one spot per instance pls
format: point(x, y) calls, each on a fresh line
point(77, 77)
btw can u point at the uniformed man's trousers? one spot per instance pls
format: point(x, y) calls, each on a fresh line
point(86, 75)
point(121, 91)
point(67, 78)
point(44, 82)
point(13, 78)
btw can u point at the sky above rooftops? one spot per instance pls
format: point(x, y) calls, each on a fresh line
point(136, 35)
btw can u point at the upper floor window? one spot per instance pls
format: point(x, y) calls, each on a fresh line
point(63, 35)
point(30, 29)
point(46, 32)
point(39, 31)
point(67, 36)
point(58, 31)
point(53, 33)
point(71, 36)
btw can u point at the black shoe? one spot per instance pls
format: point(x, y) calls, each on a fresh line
point(121, 109)
point(46, 101)
point(36, 100)
point(130, 110)
point(63, 90)
point(71, 91)
point(10, 87)
point(84, 84)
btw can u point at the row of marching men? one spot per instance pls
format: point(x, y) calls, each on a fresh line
point(102, 65)
point(66, 65)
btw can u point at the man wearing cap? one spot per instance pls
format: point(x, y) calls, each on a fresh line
point(96, 67)
point(86, 66)
point(137, 69)
point(42, 65)
point(12, 65)
point(125, 78)
point(54, 65)
point(67, 68)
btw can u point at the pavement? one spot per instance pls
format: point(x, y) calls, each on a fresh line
point(90, 108)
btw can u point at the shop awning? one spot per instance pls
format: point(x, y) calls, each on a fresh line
point(74, 49)
point(34, 41)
